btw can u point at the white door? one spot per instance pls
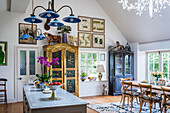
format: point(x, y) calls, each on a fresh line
point(27, 68)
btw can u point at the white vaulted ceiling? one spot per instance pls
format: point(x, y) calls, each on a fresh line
point(138, 28)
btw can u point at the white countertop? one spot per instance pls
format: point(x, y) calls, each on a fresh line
point(37, 99)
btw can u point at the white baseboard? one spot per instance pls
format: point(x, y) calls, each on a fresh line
point(12, 100)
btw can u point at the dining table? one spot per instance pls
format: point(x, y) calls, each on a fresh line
point(155, 88)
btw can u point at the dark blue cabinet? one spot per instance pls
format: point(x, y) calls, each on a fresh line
point(120, 66)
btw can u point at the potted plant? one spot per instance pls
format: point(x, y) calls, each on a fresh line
point(64, 30)
point(83, 76)
point(45, 77)
point(157, 75)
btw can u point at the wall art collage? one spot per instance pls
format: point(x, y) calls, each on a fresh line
point(91, 32)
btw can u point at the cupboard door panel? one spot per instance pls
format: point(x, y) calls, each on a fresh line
point(57, 55)
point(71, 85)
point(70, 59)
point(70, 73)
point(58, 74)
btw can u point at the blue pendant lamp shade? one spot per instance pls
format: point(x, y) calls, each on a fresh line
point(40, 37)
point(24, 37)
point(71, 19)
point(33, 19)
point(55, 23)
point(49, 14)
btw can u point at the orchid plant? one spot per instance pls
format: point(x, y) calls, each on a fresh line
point(45, 77)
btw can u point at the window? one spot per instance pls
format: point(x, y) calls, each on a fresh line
point(27, 64)
point(153, 63)
point(159, 61)
point(88, 63)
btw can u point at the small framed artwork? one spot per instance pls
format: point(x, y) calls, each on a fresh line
point(102, 57)
point(3, 53)
point(29, 30)
point(84, 40)
point(85, 24)
point(98, 41)
point(98, 25)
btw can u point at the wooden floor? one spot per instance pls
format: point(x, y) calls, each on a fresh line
point(100, 100)
point(17, 107)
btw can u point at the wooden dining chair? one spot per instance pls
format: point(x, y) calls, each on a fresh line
point(125, 79)
point(148, 92)
point(127, 92)
point(133, 89)
point(162, 81)
point(166, 100)
point(148, 98)
point(3, 91)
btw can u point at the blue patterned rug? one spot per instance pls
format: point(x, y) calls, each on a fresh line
point(115, 107)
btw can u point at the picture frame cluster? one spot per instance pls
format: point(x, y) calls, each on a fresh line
point(91, 32)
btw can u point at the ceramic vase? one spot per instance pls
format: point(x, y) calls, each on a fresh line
point(83, 78)
point(64, 38)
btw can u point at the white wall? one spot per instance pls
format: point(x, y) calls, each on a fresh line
point(9, 32)
point(153, 46)
point(135, 49)
point(142, 65)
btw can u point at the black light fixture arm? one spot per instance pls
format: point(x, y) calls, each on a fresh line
point(39, 30)
point(38, 7)
point(64, 7)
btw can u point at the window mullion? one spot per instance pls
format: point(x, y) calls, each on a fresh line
point(161, 62)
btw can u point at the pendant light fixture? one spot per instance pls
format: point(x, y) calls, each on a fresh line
point(41, 36)
point(51, 13)
point(55, 23)
point(71, 19)
point(32, 19)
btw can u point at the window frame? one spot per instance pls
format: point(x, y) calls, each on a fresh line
point(160, 62)
point(98, 62)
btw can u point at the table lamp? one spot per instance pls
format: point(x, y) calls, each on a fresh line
point(100, 69)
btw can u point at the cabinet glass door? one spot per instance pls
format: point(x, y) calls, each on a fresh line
point(119, 65)
point(128, 64)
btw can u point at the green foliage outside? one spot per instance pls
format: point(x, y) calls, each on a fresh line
point(154, 63)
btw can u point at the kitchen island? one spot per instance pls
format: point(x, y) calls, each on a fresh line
point(35, 101)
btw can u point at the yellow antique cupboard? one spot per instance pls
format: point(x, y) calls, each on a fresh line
point(67, 70)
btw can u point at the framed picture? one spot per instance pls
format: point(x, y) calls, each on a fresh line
point(84, 40)
point(98, 41)
point(85, 24)
point(27, 28)
point(3, 53)
point(98, 25)
point(72, 40)
point(102, 57)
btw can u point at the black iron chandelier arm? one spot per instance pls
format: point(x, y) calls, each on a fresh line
point(39, 30)
point(38, 7)
point(64, 7)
